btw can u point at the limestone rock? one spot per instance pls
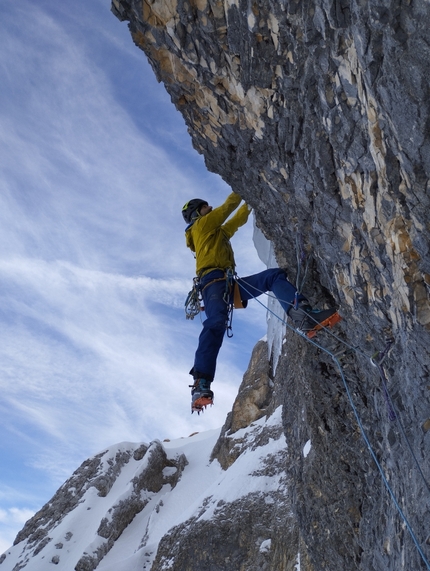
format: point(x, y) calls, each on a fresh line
point(317, 114)
point(253, 532)
point(139, 506)
point(256, 398)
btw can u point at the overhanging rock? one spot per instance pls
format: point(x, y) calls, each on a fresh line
point(317, 114)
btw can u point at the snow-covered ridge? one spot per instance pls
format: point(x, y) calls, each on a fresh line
point(123, 508)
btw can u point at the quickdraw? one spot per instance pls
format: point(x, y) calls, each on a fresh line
point(229, 283)
point(194, 302)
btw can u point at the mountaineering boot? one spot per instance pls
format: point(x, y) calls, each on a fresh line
point(310, 320)
point(201, 395)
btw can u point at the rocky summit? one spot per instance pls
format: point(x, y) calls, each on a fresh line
point(318, 114)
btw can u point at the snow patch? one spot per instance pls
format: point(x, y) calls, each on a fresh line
point(265, 546)
point(306, 448)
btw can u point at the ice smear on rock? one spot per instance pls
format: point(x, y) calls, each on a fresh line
point(275, 326)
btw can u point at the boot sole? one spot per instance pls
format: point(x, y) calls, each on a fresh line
point(329, 322)
point(201, 403)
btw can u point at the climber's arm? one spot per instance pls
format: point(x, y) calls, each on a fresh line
point(217, 216)
point(238, 220)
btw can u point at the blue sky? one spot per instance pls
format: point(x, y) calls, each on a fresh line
point(95, 165)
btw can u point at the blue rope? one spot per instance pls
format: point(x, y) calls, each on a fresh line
point(357, 417)
point(352, 347)
point(392, 415)
point(380, 355)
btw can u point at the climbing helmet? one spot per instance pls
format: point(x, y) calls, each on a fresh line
point(190, 211)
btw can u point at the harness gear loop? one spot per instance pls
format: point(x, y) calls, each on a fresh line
point(194, 301)
point(233, 301)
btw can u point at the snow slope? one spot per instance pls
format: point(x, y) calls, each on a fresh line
point(202, 486)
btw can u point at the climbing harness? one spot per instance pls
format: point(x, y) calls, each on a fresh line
point(194, 300)
point(380, 356)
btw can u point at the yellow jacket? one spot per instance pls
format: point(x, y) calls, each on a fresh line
point(209, 238)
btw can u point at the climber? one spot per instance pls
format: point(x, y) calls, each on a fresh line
point(208, 236)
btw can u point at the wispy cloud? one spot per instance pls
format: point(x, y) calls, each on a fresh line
point(16, 515)
point(10, 520)
point(94, 347)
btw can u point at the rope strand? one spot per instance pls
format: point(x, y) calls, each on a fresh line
point(352, 347)
point(357, 417)
point(381, 356)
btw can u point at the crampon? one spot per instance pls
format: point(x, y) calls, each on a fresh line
point(201, 403)
point(329, 322)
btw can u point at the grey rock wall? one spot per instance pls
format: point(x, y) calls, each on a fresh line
point(317, 113)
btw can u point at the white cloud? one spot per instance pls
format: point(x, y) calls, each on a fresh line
point(94, 346)
point(11, 521)
point(78, 175)
point(15, 515)
point(16, 507)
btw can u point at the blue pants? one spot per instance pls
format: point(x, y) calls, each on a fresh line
point(216, 310)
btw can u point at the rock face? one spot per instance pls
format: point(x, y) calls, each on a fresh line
point(252, 532)
point(317, 114)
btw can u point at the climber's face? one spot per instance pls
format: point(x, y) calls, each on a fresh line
point(205, 209)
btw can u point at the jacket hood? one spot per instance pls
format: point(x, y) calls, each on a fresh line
point(189, 238)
